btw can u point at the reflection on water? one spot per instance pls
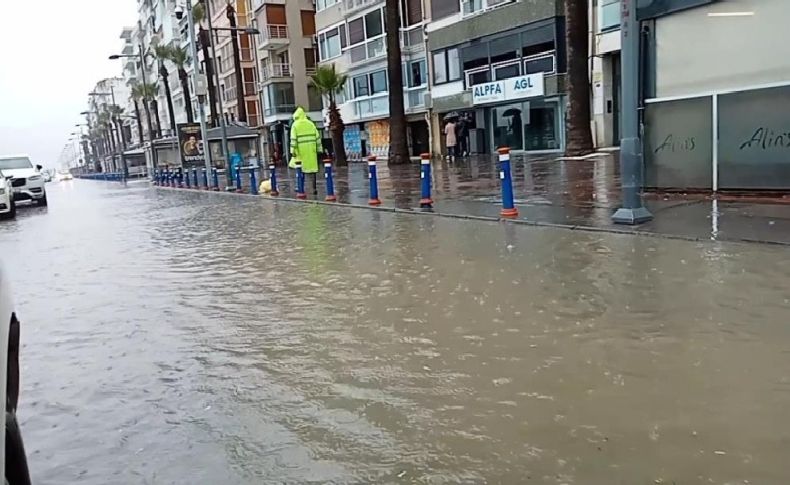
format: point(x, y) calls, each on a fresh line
point(195, 338)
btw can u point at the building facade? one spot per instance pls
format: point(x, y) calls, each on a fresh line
point(351, 36)
point(715, 108)
point(287, 56)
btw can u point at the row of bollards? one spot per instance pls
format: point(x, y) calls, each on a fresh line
point(176, 178)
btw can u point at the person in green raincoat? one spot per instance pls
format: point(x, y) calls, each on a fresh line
point(305, 144)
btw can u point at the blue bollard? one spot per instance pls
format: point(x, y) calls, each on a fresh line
point(273, 180)
point(238, 179)
point(374, 181)
point(426, 202)
point(330, 181)
point(188, 182)
point(168, 177)
point(253, 182)
point(180, 177)
point(172, 178)
point(156, 177)
point(195, 178)
point(300, 181)
point(215, 176)
point(505, 176)
point(205, 178)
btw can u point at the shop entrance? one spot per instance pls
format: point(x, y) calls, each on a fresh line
point(527, 126)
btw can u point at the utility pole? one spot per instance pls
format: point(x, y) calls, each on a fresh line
point(632, 210)
point(148, 112)
point(197, 73)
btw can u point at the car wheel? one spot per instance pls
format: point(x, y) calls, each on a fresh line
point(42, 201)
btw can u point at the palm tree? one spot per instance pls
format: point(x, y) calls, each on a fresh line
point(199, 15)
point(153, 92)
point(147, 93)
point(230, 13)
point(162, 54)
point(330, 84)
point(179, 57)
point(577, 123)
point(136, 95)
point(399, 148)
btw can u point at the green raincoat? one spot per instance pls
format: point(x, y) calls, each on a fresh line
point(305, 142)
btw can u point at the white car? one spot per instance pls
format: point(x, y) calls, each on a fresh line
point(7, 205)
point(12, 450)
point(27, 181)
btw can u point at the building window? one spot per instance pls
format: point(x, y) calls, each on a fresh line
point(446, 66)
point(314, 102)
point(373, 24)
point(370, 84)
point(609, 15)
point(322, 4)
point(331, 42)
point(308, 23)
point(279, 98)
point(417, 73)
point(444, 8)
point(368, 27)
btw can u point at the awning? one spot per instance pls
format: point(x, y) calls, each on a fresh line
point(234, 132)
point(133, 152)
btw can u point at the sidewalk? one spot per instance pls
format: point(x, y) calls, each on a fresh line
point(575, 193)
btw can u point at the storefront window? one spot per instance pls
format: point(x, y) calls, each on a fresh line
point(541, 127)
point(507, 126)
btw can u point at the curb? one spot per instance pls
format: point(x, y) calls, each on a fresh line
point(471, 217)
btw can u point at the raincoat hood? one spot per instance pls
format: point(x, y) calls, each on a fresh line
point(299, 114)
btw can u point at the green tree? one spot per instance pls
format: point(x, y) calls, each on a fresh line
point(399, 147)
point(577, 121)
point(136, 97)
point(327, 80)
point(179, 57)
point(162, 54)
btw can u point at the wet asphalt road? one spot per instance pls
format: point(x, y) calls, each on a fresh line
point(173, 337)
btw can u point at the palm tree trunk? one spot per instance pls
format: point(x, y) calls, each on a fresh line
point(182, 75)
point(164, 74)
point(209, 68)
point(230, 12)
point(155, 108)
point(399, 148)
point(139, 122)
point(336, 129)
point(579, 136)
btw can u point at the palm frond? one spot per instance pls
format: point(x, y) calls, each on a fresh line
point(198, 13)
point(178, 56)
point(327, 80)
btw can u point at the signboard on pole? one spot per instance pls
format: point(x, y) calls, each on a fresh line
point(190, 143)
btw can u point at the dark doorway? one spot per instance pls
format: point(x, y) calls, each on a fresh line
point(616, 96)
point(419, 137)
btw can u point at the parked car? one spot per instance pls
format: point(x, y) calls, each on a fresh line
point(27, 182)
point(15, 469)
point(7, 205)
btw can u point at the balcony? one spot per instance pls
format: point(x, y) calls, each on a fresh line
point(415, 98)
point(413, 38)
point(280, 109)
point(273, 36)
point(370, 50)
point(276, 70)
point(379, 105)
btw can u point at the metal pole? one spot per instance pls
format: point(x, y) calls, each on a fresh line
point(148, 118)
point(195, 71)
point(221, 115)
point(632, 210)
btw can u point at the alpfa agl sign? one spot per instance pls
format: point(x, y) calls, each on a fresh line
point(517, 87)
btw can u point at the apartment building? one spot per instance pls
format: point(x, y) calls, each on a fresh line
point(350, 36)
point(129, 74)
point(286, 50)
point(500, 65)
point(224, 62)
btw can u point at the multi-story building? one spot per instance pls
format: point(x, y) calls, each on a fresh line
point(224, 62)
point(499, 64)
point(351, 36)
point(130, 74)
point(106, 92)
point(287, 57)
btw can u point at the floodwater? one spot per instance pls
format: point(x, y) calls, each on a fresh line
point(174, 337)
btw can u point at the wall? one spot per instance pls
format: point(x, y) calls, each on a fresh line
point(697, 53)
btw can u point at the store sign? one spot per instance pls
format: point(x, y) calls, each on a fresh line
point(513, 88)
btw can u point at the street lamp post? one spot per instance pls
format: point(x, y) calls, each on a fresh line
point(632, 210)
point(141, 56)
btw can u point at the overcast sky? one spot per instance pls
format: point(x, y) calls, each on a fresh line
point(52, 56)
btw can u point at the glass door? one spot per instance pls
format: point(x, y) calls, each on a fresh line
point(508, 121)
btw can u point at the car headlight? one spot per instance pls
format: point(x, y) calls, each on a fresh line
point(34, 177)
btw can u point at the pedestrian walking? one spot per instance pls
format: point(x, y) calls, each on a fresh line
point(305, 143)
point(462, 132)
point(451, 139)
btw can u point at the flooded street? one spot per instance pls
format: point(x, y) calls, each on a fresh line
point(183, 338)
